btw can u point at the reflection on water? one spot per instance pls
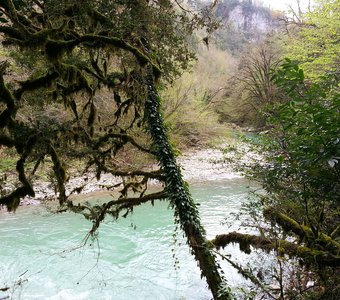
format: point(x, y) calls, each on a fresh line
point(131, 259)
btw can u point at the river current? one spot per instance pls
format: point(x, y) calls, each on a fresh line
point(42, 255)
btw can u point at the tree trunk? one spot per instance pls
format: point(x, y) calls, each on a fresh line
point(185, 209)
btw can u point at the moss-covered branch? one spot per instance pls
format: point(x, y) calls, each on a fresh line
point(115, 42)
point(11, 32)
point(97, 213)
point(130, 203)
point(36, 83)
point(54, 48)
point(308, 255)
point(152, 174)
point(125, 138)
point(305, 233)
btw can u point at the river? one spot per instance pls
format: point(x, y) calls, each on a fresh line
point(137, 258)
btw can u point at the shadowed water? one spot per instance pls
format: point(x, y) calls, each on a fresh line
point(133, 258)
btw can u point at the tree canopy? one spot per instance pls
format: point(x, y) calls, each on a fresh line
point(313, 40)
point(80, 83)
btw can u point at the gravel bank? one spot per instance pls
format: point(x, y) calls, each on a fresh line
point(197, 166)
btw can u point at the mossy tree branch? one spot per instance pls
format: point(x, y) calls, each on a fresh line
point(36, 83)
point(158, 175)
point(306, 234)
point(125, 138)
point(98, 213)
point(308, 255)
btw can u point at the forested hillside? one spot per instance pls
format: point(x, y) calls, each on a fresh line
point(216, 90)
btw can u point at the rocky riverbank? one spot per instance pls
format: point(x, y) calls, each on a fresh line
point(198, 165)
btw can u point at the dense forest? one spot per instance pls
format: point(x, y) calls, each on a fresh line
point(121, 87)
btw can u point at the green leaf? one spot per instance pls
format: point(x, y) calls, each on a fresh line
point(301, 74)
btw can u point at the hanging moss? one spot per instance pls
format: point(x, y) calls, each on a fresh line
point(5, 95)
point(12, 32)
point(6, 141)
point(60, 174)
point(55, 49)
point(12, 201)
point(92, 115)
point(121, 44)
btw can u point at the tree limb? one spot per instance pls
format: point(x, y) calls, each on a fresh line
point(308, 255)
point(304, 232)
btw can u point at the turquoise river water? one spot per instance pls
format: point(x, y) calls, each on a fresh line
point(41, 256)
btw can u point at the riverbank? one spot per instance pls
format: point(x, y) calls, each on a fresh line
point(198, 165)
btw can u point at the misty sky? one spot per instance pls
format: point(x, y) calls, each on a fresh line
point(282, 4)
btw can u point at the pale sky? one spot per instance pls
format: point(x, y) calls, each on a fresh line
point(283, 4)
